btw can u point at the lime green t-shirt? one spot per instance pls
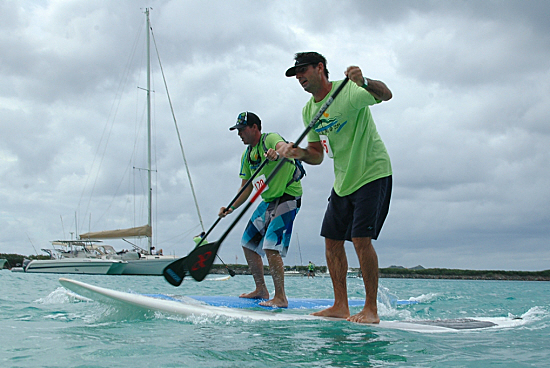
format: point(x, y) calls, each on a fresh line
point(349, 136)
point(278, 185)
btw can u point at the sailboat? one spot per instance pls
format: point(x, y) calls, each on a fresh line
point(141, 261)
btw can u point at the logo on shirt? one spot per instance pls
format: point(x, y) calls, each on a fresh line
point(327, 125)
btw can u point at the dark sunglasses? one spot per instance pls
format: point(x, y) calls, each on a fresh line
point(302, 69)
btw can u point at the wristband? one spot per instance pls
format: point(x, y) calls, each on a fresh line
point(233, 208)
point(365, 83)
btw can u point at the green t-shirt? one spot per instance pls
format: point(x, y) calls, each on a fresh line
point(278, 185)
point(349, 136)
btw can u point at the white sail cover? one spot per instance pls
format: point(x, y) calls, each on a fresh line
point(134, 232)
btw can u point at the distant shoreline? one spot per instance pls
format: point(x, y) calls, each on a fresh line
point(424, 273)
point(456, 274)
point(465, 277)
point(391, 272)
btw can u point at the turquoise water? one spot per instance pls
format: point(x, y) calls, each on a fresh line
point(42, 326)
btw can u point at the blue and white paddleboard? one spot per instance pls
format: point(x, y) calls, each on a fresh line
point(240, 308)
point(244, 303)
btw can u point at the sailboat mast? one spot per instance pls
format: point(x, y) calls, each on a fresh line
point(149, 186)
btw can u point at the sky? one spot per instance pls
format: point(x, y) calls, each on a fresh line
point(467, 128)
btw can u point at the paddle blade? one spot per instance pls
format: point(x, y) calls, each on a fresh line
point(200, 260)
point(175, 271)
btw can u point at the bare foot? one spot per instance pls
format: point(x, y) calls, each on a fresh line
point(275, 303)
point(365, 316)
point(333, 312)
point(256, 294)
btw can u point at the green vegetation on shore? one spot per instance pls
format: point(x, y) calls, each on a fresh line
point(16, 260)
point(419, 273)
point(445, 273)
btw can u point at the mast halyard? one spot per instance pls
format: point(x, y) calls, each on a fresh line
point(149, 185)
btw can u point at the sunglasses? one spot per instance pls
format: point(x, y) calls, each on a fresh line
point(302, 69)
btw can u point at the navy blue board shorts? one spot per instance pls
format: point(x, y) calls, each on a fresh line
point(360, 214)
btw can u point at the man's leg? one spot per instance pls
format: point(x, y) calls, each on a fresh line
point(337, 263)
point(276, 267)
point(368, 260)
point(256, 266)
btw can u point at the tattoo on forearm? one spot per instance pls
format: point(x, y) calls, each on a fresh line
point(376, 89)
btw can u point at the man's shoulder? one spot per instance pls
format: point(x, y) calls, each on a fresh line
point(272, 137)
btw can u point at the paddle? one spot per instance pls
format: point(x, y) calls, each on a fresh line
point(202, 258)
point(175, 271)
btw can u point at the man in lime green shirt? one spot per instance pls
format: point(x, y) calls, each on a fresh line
point(269, 229)
point(360, 198)
point(199, 239)
point(310, 270)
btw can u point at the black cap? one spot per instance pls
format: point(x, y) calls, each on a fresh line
point(306, 58)
point(247, 119)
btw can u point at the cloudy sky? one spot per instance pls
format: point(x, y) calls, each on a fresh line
point(467, 129)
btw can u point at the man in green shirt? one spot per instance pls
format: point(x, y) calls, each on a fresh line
point(198, 239)
point(310, 270)
point(359, 201)
point(270, 227)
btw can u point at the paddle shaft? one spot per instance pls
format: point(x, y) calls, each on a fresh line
point(278, 167)
point(203, 264)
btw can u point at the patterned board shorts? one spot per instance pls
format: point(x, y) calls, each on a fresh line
point(270, 226)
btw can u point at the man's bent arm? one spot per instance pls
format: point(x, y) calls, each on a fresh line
point(379, 90)
point(376, 88)
point(312, 154)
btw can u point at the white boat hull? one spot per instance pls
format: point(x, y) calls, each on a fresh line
point(294, 274)
point(89, 266)
point(148, 265)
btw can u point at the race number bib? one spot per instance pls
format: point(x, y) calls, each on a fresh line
point(258, 182)
point(326, 145)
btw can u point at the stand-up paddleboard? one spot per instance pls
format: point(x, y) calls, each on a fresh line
point(245, 303)
point(196, 307)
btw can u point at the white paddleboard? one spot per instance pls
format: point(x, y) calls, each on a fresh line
point(192, 307)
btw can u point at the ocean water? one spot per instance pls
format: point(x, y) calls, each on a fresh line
point(41, 325)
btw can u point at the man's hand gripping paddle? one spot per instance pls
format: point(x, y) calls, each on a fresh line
point(175, 272)
point(200, 260)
